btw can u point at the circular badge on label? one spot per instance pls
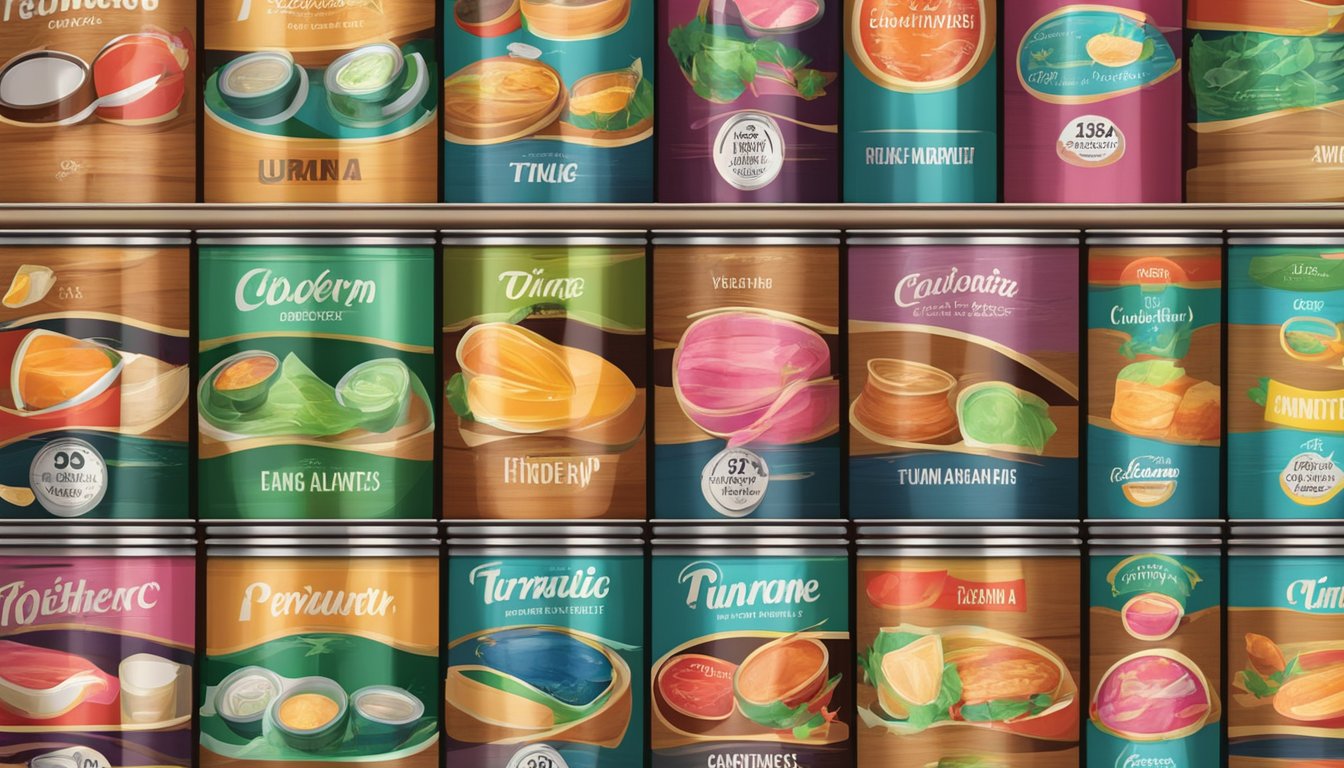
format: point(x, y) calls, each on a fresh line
point(749, 151)
point(537, 756)
point(1091, 141)
point(69, 477)
point(734, 482)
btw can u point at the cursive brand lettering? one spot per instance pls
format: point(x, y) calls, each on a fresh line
point(580, 584)
point(315, 602)
point(706, 581)
point(520, 284)
point(21, 605)
point(914, 289)
point(260, 287)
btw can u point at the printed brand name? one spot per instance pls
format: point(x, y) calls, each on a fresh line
point(1151, 316)
point(545, 173)
point(730, 283)
point(1134, 760)
point(304, 7)
point(1315, 595)
point(581, 584)
point(525, 470)
point(920, 14)
point(520, 284)
point(1148, 573)
point(1329, 154)
point(29, 8)
point(706, 580)
point(21, 606)
point(914, 289)
point(315, 602)
point(260, 288)
point(1325, 408)
point(283, 171)
point(1145, 468)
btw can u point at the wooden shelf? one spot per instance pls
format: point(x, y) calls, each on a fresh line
point(648, 217)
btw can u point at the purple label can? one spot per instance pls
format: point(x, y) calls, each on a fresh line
point(749, 105)
point(1093, 102)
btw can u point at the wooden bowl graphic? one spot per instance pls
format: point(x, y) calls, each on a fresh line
point(46, 88)
point(906, 401)
point(501, 99)
point(574, 19)
point(488, 18)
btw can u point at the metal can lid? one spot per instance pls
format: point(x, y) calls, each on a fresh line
point(1021, 548)
point(1288, 530)
point(314, 529)
point(125, 238)
point(1145, 528)
point(71, 532)
point(952, 531)
point(1153, 237)
point(1153, 544)
point(746, 237)
point(555, 237)
point(699, 529)
point(459, 530)
point(1288, 547)
point(995, 542)
point(316, 237)
point(1331, 238)
point(961, 237)
point(558, 543)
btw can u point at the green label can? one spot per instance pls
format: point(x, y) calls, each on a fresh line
point(544, 364)
point(1155, 623)
point(546, 648)
point(752, 662)
point(316, 363)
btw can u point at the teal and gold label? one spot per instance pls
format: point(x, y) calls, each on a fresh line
point(751, 661)
point(315, 369)
point(1085, 54)
point(1156, 659)
point(545, 661)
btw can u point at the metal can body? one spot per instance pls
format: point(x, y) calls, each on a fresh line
point(940, 623)
point(321, 102)
point(747, 390)
point(1154, 361)
point(1093, 102)
point(548, 102)
point(751, 648)
point(316, 363)
point(98, 102)
point(97, 646)
point(544, 359)
point(320, 650)
point(921, 102)
point(940, 329)
point(1155, 627)
point(1284, 625)
point(94, 376)
point(748, 102)
point(541, 623)
point(1256, 134)
point(1284, 443)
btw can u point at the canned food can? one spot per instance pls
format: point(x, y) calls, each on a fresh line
point(1154, 361)
point(544, 359)
point(322, 649)
point(963, 376)
point(97, 645)
point(546, 647)
point(747, 396)
point(94, 376)
point(1093, 102)
point(969, 653)
point(752, 660)
point(316, 362)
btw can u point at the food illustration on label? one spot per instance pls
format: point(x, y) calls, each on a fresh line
point(1303, 681)
point(1153, 696)
point(1081, 55)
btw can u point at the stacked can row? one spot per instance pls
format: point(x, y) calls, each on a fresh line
point(321, 389)
point(563, 646)
point(555, 102)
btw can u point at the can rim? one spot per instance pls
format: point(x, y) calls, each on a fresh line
point(42, 529)
point(966, 550)
point(696, 529)
point(467, 532)
point(1152, 237)
point(558, 237)
point(1303, 237)
point(305, 549)
point(998, 542)
point(1138, 544)
point(561, 542)
point(333, 238)
point(320, 530)
point(939, 531)
point(710, 237)
point(957, 237)
point(94, 238)
point(10, 546)
point(1109, 531)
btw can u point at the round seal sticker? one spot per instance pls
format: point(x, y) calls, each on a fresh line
point(69, 477)
point(749, 151)
point(734, 482)
point(1091, 141)
point(537, 756)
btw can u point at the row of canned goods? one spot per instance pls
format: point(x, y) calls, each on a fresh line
point(319, 394)
point(555, 101)
point(563, 646)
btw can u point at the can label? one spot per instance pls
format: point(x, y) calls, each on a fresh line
point(94, 382)
point(96, 658)
point(1285, 428)
point(98, 101)
point(968, 661)
point(313, 401)
point(320, 102)
point(963, 371)
point(545, 366)
point(1093, 102)
point(1154, 318)
point(548, 102)
point(749, 101)
point(921, 102)
point(1284, 624)
point(321, 659)
point(545, 661)
point(747, 395)
point(752, 661)
point(1156, 660)
point(1262, 129)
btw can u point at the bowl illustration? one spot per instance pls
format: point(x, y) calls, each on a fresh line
point(30, 284)
point(149, 686)
point(574, 19)
point(42, 683)
point(380, 389)
point(998, 416)
point(70, 757)
point(779, 17)
point(375, 84)
point(52, 371)
point(1311, 339)
point(698, 686)
point(502, 99)
point(261, 85)
point(47, 88)
point(384, 715)
point(242, 698)
point(311, 714)
point(1153, 695)
point(906, 401)
point(241, 381)
point(1152, 616)
point(488, 18)
point(785, 685)
point(141, 77)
